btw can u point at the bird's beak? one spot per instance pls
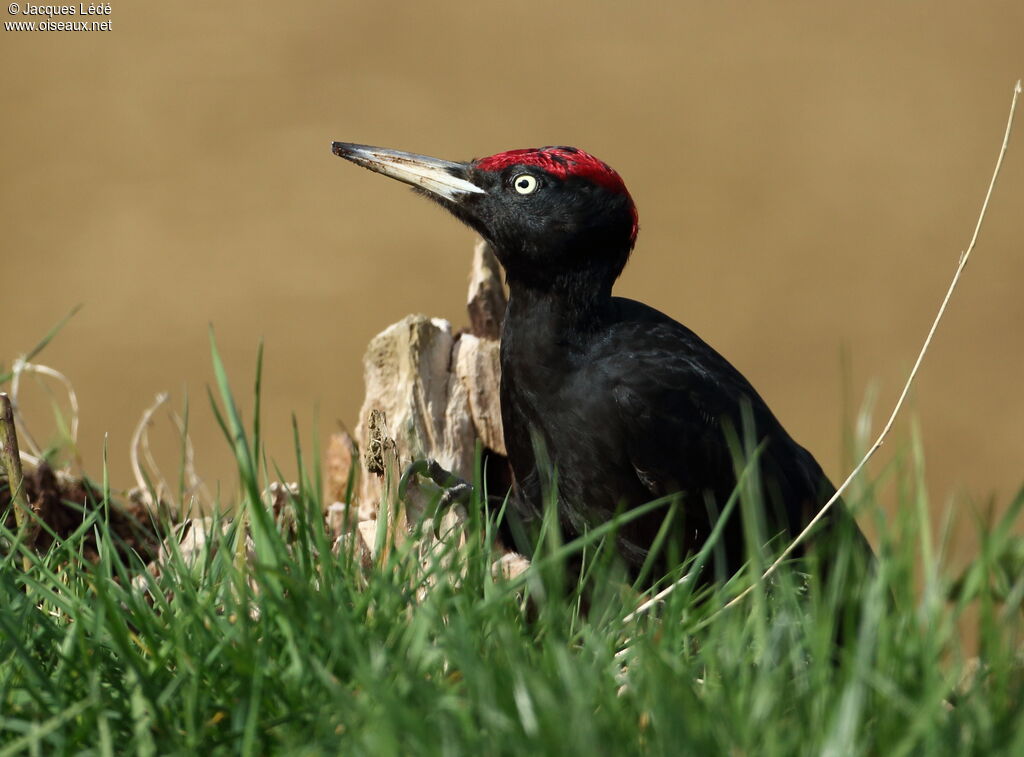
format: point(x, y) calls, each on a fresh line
point(441, 178)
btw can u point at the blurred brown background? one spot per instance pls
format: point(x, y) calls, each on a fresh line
point(806, 176)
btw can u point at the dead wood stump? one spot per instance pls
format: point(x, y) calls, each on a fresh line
point(436, 391)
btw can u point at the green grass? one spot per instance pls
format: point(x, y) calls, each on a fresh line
point(300, 651)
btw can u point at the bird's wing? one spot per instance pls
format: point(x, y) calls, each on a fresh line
point(673, 412)
point(677, 399)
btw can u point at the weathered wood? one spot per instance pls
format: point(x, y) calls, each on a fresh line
point(476, 355)
point(430, 393)
point(487, 300)
point(476, 367)
point(406, 370)
point(10, 456)
point(340, 465)
point(439, 390)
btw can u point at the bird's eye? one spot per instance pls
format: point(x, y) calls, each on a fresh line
point(525, 184)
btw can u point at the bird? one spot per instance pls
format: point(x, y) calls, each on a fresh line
point(625, 403)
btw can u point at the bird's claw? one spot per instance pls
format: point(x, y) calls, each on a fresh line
point(455, 495)
point(456, 490)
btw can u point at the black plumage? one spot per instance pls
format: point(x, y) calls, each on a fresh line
point(627, 404)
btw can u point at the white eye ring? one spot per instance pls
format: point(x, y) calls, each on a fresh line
point(525, 184)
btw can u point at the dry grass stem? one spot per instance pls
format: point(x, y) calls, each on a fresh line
point(964, 257)
point(196, 487)
point(22, 367)
point(140, 443)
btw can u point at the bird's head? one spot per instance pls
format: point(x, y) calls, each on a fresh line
point(549, 213)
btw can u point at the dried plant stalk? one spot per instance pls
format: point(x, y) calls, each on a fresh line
point(802, 536)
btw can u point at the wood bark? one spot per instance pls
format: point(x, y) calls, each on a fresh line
point(438, 390)
point(430, 393)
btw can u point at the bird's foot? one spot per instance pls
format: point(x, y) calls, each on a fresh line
point(457, 490)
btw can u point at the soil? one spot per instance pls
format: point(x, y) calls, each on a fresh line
point(62, 502)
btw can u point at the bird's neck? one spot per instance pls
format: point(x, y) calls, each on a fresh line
point(559, 313)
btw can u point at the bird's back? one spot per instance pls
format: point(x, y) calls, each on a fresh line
point(637, 408)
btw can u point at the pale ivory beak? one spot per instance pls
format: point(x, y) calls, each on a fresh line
point(439, 177)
